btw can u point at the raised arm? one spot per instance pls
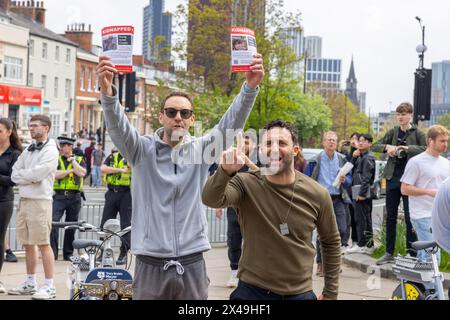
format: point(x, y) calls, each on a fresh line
point(236, 116)
point(224, 189)
point(124, 136)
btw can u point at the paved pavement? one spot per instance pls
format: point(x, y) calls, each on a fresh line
point(354, 284)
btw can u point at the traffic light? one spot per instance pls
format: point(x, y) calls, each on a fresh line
point(422, 95)
point(130, 93)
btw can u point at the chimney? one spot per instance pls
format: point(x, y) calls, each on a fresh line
point(5, 5)
point(78, 33)
point(33, 10)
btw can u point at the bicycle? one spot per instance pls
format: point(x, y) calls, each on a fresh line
point(92, 279)
point(419, 280)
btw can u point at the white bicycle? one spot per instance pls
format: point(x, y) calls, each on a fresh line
point(419, 280)
point(93, 279)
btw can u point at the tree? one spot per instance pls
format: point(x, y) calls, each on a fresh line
point(444, 121)
point(346, 117)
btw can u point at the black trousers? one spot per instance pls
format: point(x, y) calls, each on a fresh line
point(363, 216)
point(6, 211)
point(71, 207)
point(119, 202)
point(393, 196)
point(234, 239)
point(246, 291)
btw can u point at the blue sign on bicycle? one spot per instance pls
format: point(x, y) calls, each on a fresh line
point(108, 274)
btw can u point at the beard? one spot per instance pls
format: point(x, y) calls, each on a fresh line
point(277, 167)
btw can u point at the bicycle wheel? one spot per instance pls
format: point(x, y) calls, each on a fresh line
point(412, 291)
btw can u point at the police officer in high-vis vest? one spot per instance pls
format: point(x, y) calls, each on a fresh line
point(68, 187)
point(118, 197)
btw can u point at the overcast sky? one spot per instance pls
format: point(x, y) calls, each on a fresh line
point(380, 34)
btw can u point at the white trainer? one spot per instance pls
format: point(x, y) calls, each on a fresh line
point(23, 290)
point(2, 288)
point(233, 281)
point(355, 249)
point(368, 250)
point(45, 293)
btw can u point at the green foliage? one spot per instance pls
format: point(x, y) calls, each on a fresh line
point(444, 121)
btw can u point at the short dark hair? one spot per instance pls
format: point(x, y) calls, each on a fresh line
point(43, 119)
point(355, 134)
point(367, 137)
point(176, 94)
point(404, 107)
point(286, 125)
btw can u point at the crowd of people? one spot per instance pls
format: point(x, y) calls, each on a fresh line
point(275, 205)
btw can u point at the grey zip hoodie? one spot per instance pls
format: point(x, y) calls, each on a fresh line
point(168, 217)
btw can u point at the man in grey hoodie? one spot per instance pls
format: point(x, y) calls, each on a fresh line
point(169, 227)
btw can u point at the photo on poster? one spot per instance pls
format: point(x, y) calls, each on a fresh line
point(110, 43)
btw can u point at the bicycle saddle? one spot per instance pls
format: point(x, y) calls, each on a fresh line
point(85, 243)
point(422, 245)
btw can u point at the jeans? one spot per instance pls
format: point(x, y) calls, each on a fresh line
point(363, 216)
point(341, 220)
point(423, 230)
point(393, 196)
point(96, 176)
point(246, 291)
point(234, 239)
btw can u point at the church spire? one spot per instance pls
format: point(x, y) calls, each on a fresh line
point(351, 89)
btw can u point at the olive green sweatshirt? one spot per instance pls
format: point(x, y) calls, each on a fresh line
point(280, 263)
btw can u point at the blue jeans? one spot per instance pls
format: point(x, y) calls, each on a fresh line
point(96, 176)
point(423, 231)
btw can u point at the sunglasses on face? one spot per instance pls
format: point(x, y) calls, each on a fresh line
point(172, 113)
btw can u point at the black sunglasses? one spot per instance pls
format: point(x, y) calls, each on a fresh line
point(172, 113)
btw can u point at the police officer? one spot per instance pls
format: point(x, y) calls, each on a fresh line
point(118, 197)
point(68, 187)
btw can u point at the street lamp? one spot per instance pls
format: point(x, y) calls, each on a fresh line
point(421, 48)
point(422, 85)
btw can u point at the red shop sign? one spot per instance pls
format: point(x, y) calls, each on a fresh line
point(21, 95)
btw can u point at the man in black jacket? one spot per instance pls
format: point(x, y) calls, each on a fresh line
point(401, 143)
point(363, 177)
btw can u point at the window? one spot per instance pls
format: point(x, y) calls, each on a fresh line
point(31, 48)
point(68, 88)
point(68, 55)
point(89, 86)
point(81, 119)
point(320, 65)
point(82, 74)
point(96, 82)
point(56, 125)
point(57, 53)
point(13, 68)
point(44, 50)
point(44, 85)
point(30, 80)
point(55, 91)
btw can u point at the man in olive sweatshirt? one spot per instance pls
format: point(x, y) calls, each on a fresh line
point(277, 213)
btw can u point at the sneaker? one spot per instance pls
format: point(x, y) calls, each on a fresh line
point(2, 288)
point(319, 271)
point(233, 281)
point(22, 290)
point(387, 258)
point(10, 256)
point(45, 293)
point(355, 249)
point(369, 251)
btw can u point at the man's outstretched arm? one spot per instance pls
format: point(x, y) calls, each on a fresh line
point(125, 137)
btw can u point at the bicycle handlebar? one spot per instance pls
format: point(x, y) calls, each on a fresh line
point(67, 224)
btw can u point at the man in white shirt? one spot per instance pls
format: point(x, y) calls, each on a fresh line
point(423, 176)
point(34, 173)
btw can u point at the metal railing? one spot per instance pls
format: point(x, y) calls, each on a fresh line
point(91, 212)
